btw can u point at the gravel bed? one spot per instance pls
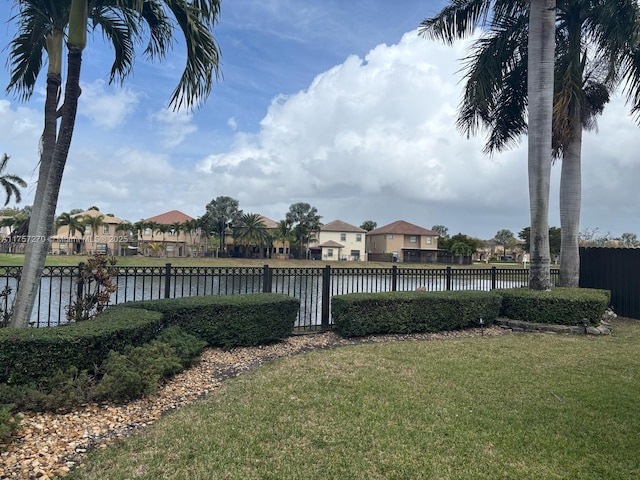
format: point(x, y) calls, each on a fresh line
point(51, 444)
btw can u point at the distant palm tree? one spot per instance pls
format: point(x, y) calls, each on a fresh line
point(94, 224)
point(190, 226)
point(251, 231)
point(10, 183)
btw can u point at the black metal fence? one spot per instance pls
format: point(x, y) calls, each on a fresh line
point(617, 270)
point(313, 286)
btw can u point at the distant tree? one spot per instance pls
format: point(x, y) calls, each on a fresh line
point(368, 225)
point(10, 183)
point(221, 213)
point(629, 240)
point(503, 237)
point(251, 231)
point(93, 207)
point(283, 232)
point(93, 224)
point(75, 211)
point(554, 240)
point(305, 221)
point(74, 222)
point(472, 243)
point(442, 231)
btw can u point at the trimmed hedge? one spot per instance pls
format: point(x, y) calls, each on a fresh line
point(558, 306)
point(31, 354)
point(230, 320)
point(359, 314)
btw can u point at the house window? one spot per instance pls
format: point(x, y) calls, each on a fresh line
point(413, 239)
point(329, 252)
point(147, 231)
point(101, 248)
point(390, 237)
point(105, 229)
point(358, 237)
point(429, 240)
point(355, 254)
point(343, 237)
point(169, 248)
point(281, 250)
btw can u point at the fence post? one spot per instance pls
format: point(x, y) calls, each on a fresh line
point(394, 278)
point(167, 280)
point(494, 276)
point(266, 280)
point(448, 278)
point(80, 286)
point(326, 298)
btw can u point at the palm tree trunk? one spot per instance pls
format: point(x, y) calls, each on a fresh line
point(570, 200)
point(541, 49)
point(45, 207)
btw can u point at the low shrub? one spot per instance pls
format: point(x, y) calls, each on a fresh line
point(136, 372)
point(560, 306)
point(361, 314)
point(187, 346)
point(28, 355)
point(230, 320)
point(9, 422)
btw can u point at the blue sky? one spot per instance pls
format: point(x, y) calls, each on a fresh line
point(337, 104)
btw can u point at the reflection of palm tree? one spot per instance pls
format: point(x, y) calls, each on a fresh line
point(251, 231)
point(9, 182)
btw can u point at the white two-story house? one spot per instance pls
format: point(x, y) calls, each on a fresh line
point(338, 240)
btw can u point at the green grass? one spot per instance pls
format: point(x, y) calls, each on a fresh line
point(512, 407)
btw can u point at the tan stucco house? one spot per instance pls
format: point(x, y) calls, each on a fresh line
point(402, 242)
point(169, 239)
point(106, 239)
point(339, 240)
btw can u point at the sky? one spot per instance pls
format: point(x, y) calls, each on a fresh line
point(341, 105)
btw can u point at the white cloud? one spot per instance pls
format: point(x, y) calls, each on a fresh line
point(107, 107)
point(174, 126)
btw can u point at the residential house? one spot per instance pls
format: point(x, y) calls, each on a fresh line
point(107, 239)
point(339, 240)
point(402, 241)
point(168, 238)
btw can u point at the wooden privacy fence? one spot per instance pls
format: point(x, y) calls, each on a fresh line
point(615, 269)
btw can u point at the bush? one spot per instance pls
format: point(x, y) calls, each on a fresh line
point(230, 320)
point(187, 347)
point(29, 355)
point(136, 372)
point(560, 306)
point(9, 422)
point(360, 314)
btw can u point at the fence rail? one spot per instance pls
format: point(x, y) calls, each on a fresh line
point(313, 286)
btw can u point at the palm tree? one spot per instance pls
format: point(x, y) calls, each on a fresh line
point(190, 226)
point(222, 213)
point(283, 233)
point(251, 231)
point(595, 52)
point(305, 221)
point(10, 183)
point(43, 25)
point(93, 223)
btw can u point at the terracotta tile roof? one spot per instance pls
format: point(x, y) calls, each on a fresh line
point(169, 217)
point(401, 227)
point(340, 226)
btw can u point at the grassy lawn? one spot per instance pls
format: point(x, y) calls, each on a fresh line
point(60, 260)
point(511, 407)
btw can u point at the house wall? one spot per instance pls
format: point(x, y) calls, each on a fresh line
point(350, 243)
point(388, 243)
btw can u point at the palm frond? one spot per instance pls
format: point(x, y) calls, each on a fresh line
point(456, 21)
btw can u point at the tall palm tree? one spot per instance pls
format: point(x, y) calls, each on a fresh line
point(93, 223)
point(251, 231)
point(10, 182)
point(283, 233)
point(458, 20)
point(596, 48)
point(189, 227)
point(43, 25)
